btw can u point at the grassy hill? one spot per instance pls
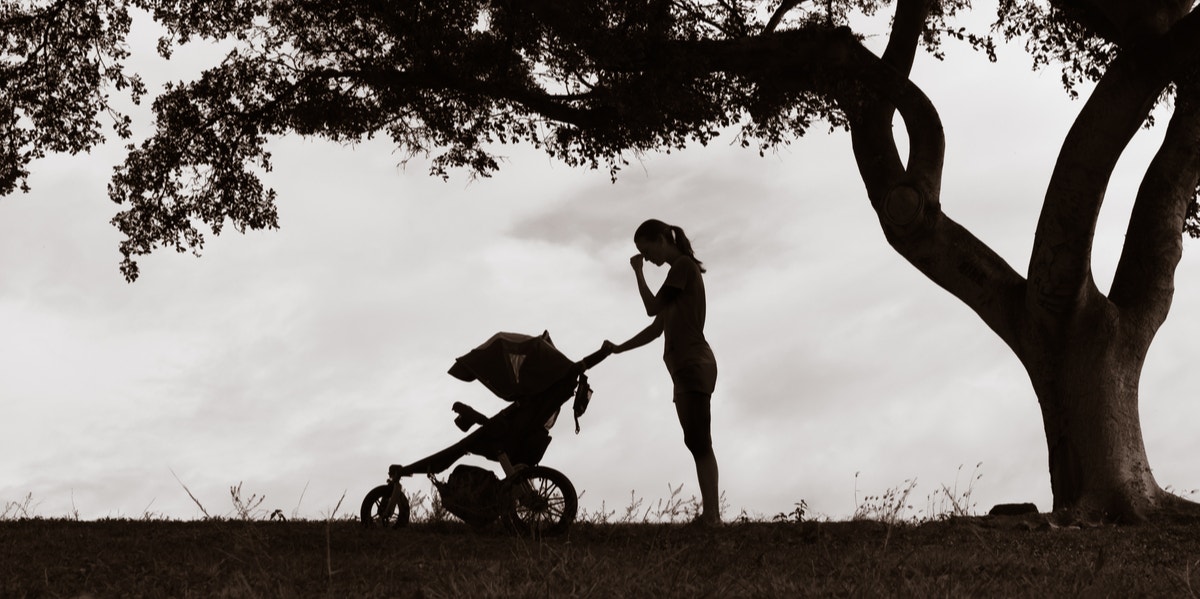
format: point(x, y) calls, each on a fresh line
point(957, 557)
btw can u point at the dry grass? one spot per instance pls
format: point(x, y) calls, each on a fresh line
point(979, 557)
point(890, 549)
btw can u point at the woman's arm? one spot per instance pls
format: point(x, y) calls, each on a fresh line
point(653, 303)
point(647, 335)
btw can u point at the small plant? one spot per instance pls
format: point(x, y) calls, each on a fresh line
point(952, 502)
point(329, 540)
point(437, 511)
point(19, 510)
point(1181, 493)
point(194, 500)
point(601, 516)
point(426, 508)
point(296, 510)
point(631, 510)
point(672, 508)
point(795, 516)
point(248, 508)
point(887, 507)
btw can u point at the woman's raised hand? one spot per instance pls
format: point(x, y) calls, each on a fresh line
point(636, 262)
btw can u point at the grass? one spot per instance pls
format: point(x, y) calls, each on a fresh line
point(976, 556)
point(888, 549)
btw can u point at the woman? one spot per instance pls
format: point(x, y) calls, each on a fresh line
point(678, 310)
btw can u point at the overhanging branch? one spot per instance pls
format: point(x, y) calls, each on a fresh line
point(1144, 281)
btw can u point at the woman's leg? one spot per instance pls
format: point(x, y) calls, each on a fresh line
point(695, 416)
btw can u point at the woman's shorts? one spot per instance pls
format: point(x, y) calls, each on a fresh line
point(693, 377)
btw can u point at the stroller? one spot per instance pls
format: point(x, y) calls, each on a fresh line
point(537, 379)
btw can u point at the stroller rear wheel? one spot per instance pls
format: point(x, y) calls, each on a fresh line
point(374, 508)
point(540, 502)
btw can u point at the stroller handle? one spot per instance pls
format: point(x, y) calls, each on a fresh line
point(594, 358)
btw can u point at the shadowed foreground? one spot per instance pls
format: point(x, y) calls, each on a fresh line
point(961, 557)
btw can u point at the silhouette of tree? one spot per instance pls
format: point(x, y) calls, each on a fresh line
point(591, 82)
point(57, 62)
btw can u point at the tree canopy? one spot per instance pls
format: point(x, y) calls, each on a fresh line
point(58, 62)
point(588, 82)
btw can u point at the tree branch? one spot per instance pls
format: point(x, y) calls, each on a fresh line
point(907, 200)
point(784, 7)
point(907, 26)
point(549, 106)
point(1060, 265)
point(1144, 281)
point(874, 143)
point(1126, 23)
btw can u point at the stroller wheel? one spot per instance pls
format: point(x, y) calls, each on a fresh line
point(540, 502)
point(374, 508)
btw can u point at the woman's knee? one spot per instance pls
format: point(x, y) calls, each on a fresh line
point(696, 420)
point(699, 443)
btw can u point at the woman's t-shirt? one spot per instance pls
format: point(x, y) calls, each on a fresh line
point(684, 344)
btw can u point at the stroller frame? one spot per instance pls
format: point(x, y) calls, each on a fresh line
point(530, 499)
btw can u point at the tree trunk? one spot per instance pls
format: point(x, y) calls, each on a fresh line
point(1086, 379)
point(1083, 351)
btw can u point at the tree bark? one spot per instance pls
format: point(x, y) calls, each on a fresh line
point(1086, 378)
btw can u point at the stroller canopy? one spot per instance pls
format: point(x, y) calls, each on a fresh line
point(513, 365)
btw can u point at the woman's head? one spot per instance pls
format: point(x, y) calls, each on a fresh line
point(659, 242)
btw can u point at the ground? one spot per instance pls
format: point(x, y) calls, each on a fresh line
point(974, 556)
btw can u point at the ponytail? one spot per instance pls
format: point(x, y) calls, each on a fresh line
point(653, 229)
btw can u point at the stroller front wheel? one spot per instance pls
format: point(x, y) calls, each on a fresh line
point(540, 501)
point(374, 509)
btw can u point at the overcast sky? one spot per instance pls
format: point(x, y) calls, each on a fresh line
point(302, 362)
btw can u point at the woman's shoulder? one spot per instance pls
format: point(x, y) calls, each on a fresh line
point(684, 271)
point(685, 263)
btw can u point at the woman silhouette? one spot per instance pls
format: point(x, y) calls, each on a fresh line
point(678, 311)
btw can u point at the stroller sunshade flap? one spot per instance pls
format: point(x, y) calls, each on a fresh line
point(513, 365)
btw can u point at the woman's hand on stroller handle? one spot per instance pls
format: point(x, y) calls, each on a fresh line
point(598, 356)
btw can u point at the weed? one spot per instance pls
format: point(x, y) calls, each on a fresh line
point(952, 503)
point(329, 541)
point(1186, 494)
point(19, 510)
point(296, 510)
point(631, 510)
point(795, 516)
point(248, 508)
point(189, 492)
point(887, 507)
point(438, 513)
point(601, 516)
point(417, 511)
point(74, 515)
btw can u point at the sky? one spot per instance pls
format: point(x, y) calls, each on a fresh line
point(300, 363)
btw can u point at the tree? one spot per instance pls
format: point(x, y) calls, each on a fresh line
point(57, 62)
point(591, 82)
